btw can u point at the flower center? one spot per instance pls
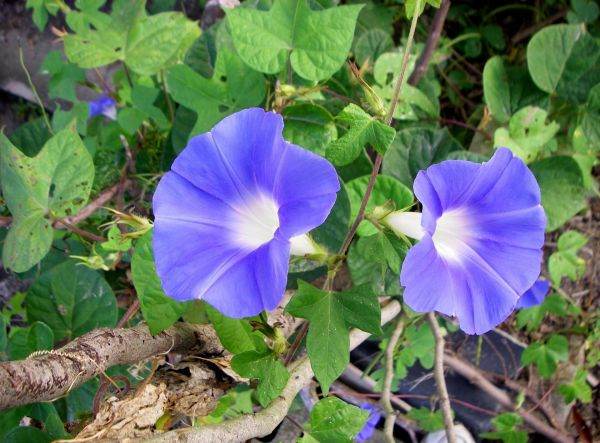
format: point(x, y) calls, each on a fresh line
point(451, 234)
point(257, 221)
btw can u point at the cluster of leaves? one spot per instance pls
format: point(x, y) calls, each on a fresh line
point(170, 81)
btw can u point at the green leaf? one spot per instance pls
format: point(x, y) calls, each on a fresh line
point(309, 126)
point(40, 15)
point(64, 119)
point(55, 183)
point(334, 421)
point(264, 366)
point(27, 434)
point(25, 341)
point(415, 149)
point(47, 414)
point(590, 121)
point(64, 76)
point(565, 260)
point(236, 335)
point(315, 42)
point(421, 343)
point(159, 311)
point(527, 133)
point(72, 300)
point(385, 70)
point(563, 193)
point(429, 421)
point(368, 265)
point(508, 89)
point(233, 87)
point(31, 136)
point(331, 314)
point(363, 129)
point(10, 418)
point(142, 100)
point(411, 5)
point(371, 44)
point(584, 11)
point(332, 232)
point(147, 44)
point(532, 317)
point(496, 89)
point(387, 191)
point(564, 60)
point(159, 41)
point(505, 429)
point(546, 355)
point(577, 389)
point(116, 241)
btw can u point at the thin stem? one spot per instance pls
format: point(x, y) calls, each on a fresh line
point(297, 341)
point(133, 308)
point(167, 97)
point(390, 419)
point(128, 75)
point(82, 232)
point(35, 93)
point(104, 82)
point(363, 206)
point(440, 381)
point(435, 31)
point(405, 58)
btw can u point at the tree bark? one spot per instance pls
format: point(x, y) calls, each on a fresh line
point(55, 373)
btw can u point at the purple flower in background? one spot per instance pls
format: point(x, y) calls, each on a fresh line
point(229, 208)
point(369, 427)
point(481, 234)
point(103, 106)
point(535, 295)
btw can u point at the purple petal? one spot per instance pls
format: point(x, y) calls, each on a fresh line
point(372, 421)
point(255, 283)
point(485, 230)
point(535, 295)
point(225, 213)
point(102, 106)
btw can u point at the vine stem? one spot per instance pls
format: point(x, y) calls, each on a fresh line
point(82, 232)
point(405, 58)
point(167, 98)
point(440, 381)
point(35, 93)
point(390, 418)
point(376, 167)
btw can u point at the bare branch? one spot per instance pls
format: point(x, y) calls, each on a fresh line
point(440, 381)
point(390, 418)
point(102, 199)
point(57, 372)
point(435, 31)
point(472, 374)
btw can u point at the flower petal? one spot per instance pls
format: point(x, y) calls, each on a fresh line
point(438, 186)
point(306, 190)
point(255, 283)
point(485, 230)
point(472, 291)
point(535, 295)
point(221, 162)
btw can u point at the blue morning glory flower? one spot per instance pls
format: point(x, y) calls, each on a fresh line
point(369, 427)
point(535, 295)
point(481, 234)
point(226, 214)
point(103, 106)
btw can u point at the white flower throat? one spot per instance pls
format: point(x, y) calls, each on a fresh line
point(256, 221)
point(451, 234)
